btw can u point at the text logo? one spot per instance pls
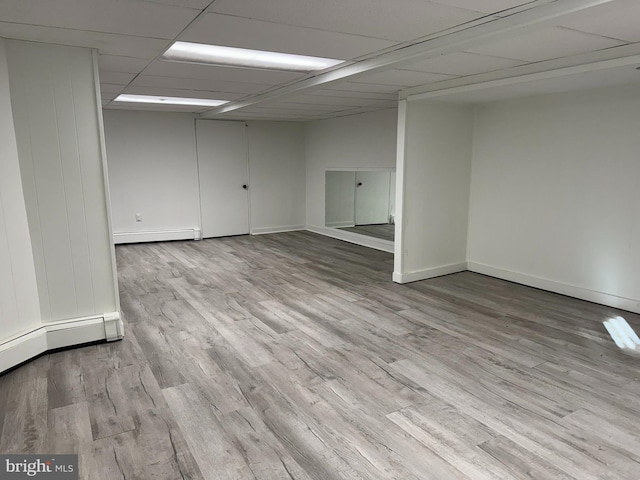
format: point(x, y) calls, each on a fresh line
point(49, 467)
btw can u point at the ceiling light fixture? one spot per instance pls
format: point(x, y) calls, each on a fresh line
point(243, 57)
point(204, 102)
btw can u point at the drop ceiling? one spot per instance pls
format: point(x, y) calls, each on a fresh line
point(388, 47)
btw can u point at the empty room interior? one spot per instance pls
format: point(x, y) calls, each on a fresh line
point(320, 239)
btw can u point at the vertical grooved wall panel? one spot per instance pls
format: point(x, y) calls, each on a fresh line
point(57, 130)
point(19, 306)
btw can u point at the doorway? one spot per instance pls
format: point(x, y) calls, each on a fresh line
point(223, 172)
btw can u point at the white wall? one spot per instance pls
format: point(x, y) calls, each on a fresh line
point(436, 167)
point(19, 303)
point(276, 176)
point(56, 116)
point(152, 171)
point(359, 141)
point(555, 194)
point(57, 264)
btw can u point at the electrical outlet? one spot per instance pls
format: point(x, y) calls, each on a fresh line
point(138, 217)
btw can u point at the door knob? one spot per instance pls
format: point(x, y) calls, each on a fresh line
point(359, 184)
point(245, 186)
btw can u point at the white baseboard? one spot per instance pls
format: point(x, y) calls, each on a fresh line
point(66, 333)
point(157, 236)
point(265, 230)
point(557, 287)
point(364, 240)
point(340, 224)
point(409, 277)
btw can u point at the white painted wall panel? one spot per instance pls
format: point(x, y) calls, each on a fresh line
point(555, 191)
point(56, 117)
point(437, 171)
point(359, 141)
point(277, 175)
point(19, 303)
point(152, 171)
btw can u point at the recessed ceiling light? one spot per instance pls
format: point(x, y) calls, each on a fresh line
point(205, 102)
point(242, 57)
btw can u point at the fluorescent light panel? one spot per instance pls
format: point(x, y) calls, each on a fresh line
point(204, 102)
point(243, 57)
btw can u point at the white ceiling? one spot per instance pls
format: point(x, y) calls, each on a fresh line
point(372, 36)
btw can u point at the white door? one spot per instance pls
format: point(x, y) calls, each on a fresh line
point(372, 198)
point(223, 171)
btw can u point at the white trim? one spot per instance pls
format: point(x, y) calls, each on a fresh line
point(429, 273)
point(401, 145)
point(248, 190)
point(364, 240)
point(195, 150)
point(105, 173)
point(157, 236)
point(346, 224)
point(582, 293)
point(65, 333)
point(265, 230)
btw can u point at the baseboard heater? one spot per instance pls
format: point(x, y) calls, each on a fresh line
point(53, 335)
point(157, 236)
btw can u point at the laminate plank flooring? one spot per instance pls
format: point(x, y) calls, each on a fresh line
point(293, 356)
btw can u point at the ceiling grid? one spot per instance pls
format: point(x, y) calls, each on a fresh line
point(428, 45)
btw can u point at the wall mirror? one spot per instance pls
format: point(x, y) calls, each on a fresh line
point(361, 201)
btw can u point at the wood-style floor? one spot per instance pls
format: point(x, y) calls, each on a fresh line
point(293, 356)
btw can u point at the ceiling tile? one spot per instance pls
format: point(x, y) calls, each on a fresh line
point(545, 44)
point(357, 111)
point(116, 63)
point(227, 74)
point(245, 33)
point(485, 6)
point(329, 101)
point(461, 63)
point(289, 105)
point(283, 109)
point(106, 43)
point(116, 78)
point(616, 20)
point(260, 116)
point(107, 97)
point(144, 19)
point(397, 20)
point(337, 101)
point(107, 88)
point(367, 87)
point(197, 84)
point(403, 78)
point(334, 91)
point(617, 76)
